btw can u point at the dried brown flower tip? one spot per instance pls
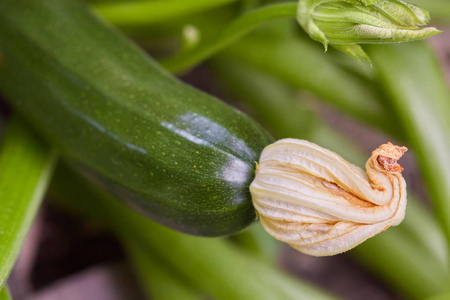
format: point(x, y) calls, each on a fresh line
point(387, 156)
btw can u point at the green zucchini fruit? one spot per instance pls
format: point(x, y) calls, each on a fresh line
point(173, 153)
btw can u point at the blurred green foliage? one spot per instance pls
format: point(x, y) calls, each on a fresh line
point(280, 77)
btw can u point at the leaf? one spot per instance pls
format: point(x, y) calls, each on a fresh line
point(411, 75)
point(26, 166)
point(4, 294)
point(211, 265)
point(303, 66)
point(234, 31)
point(159, 281)
point(412, 257)
point(152, 12)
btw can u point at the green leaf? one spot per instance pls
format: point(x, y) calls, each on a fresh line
point(234, 31)
point(354, 50)
point(412, 77)
point(303, 66)
point(212, 265)
point(412, 257)
point(444, 296)
point(159, 281)
point(151, 12)
point(258, 243)
point(4, 294)
point(26, 166)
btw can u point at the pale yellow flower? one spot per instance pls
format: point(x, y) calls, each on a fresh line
point(320, 204)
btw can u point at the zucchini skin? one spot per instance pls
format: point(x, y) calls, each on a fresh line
point(175, 154)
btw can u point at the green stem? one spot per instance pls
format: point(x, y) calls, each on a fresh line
point(304, 66)
point(404, 256)
point(4, 294)
point(234, 31)
point(146, 13)
point(26, 166)
point(444, 296)
point(412, 76)
point(158, 281)
point(258, 243)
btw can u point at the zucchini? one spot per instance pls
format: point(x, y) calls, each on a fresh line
point(173, 153)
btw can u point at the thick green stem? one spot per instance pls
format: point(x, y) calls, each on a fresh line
point(26, 166)
point(233, 32)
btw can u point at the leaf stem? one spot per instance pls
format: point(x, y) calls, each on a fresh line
point(411, 75)
point(234, 31)
point(411, 257)
point(214, 266)
point(300, 64)
point(159, 281)
point(4, 294)
point(26, 166)
point(152, 12)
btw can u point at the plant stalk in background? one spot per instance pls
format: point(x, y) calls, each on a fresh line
point(411, 257)
point(26, 166)
point(210, 265)
point(4, 294)
point(411, 76)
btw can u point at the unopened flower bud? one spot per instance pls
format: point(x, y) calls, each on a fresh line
point(320, 204)
point(352, 22)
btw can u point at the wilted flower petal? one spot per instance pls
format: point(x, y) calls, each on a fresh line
point(320, 204)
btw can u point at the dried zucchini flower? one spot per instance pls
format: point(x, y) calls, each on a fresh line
point(320, 204)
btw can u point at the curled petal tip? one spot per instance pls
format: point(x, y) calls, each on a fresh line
point(387, 156)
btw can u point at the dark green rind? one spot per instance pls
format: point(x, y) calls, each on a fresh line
point(173, 153)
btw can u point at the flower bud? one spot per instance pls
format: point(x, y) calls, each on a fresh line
point(363, 21)
point(320, 204)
